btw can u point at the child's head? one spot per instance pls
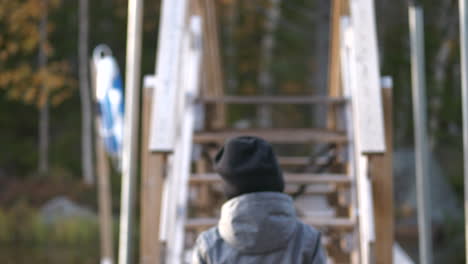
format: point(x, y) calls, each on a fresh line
point(248, 164)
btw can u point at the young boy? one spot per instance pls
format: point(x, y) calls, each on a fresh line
point(258, 223)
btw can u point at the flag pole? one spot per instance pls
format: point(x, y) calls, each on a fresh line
point(464, 80)
point(420, 135)
point(130, 140)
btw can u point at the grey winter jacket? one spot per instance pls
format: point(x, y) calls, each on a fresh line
point(259, 228)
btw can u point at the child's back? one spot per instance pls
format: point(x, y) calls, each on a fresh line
point(258, 223)
point(259, 228)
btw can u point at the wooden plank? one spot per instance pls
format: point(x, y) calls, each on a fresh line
point(273, 100)
point(152, 174)
point(105, 202)
point(317, 189)
point(330, 222)
point(203, 197)
point(324, 222)
point(334, 76)
point(152, 194)
point(274, 135)
point(294, 161)
point(290, 188)
point(181, 162)
point(104, 187)
point(381, 171)
point(163, 123)
point(213, 73)
point(365, 73)
point(357, 163)
point(304, 161)
point(317, 178)
point(290, 178)
point(147, 253)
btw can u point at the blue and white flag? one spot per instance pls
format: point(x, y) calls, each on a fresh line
point(110, 99)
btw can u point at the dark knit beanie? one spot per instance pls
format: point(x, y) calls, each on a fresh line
point(248, 164)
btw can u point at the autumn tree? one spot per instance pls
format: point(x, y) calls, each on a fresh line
point(27, 72)
point(86, 106)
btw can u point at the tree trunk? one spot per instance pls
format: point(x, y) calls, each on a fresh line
point(44, 102)
point(265, 81)
point(231, 17)
point(321, 54)
point(447, 23)
point(86, 106)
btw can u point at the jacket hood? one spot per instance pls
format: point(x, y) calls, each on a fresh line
point(258, 222)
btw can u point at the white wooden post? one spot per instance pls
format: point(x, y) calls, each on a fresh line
point(463, 5)
point(358, 161)
point(181, 171)
point(165, 98)
point(345, 57)
point(420, 133)
point(366, 77)
point(130, 139)
point(163, 124)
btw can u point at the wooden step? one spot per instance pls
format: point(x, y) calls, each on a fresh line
point(325, 222)
point(292, 189)
point(339, 222)
point(273, 100)
point(291, 178)
point(302, 161)
point(274, 135)
point(316, 189)
point(294, 161)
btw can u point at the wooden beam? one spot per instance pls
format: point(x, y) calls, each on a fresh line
point(152, 178)
point(171, 31)
point(203, 194)
point(334, 72)
point(105, 201)
point(273, 100)
point(179, 172)
point(365, 76)
point(361, 195)
point(294, 161)
point(290, 178)
point(315, 189)
point(325, 222)
point(381, 170)
point(104, 187)
point(213, 80)
point(334, 76)
point(291, 136)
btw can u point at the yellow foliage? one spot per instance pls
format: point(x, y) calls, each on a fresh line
point(29, 95)
point(19, 45)
point(12, 47)
point(29, 44)
point(3, 55)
